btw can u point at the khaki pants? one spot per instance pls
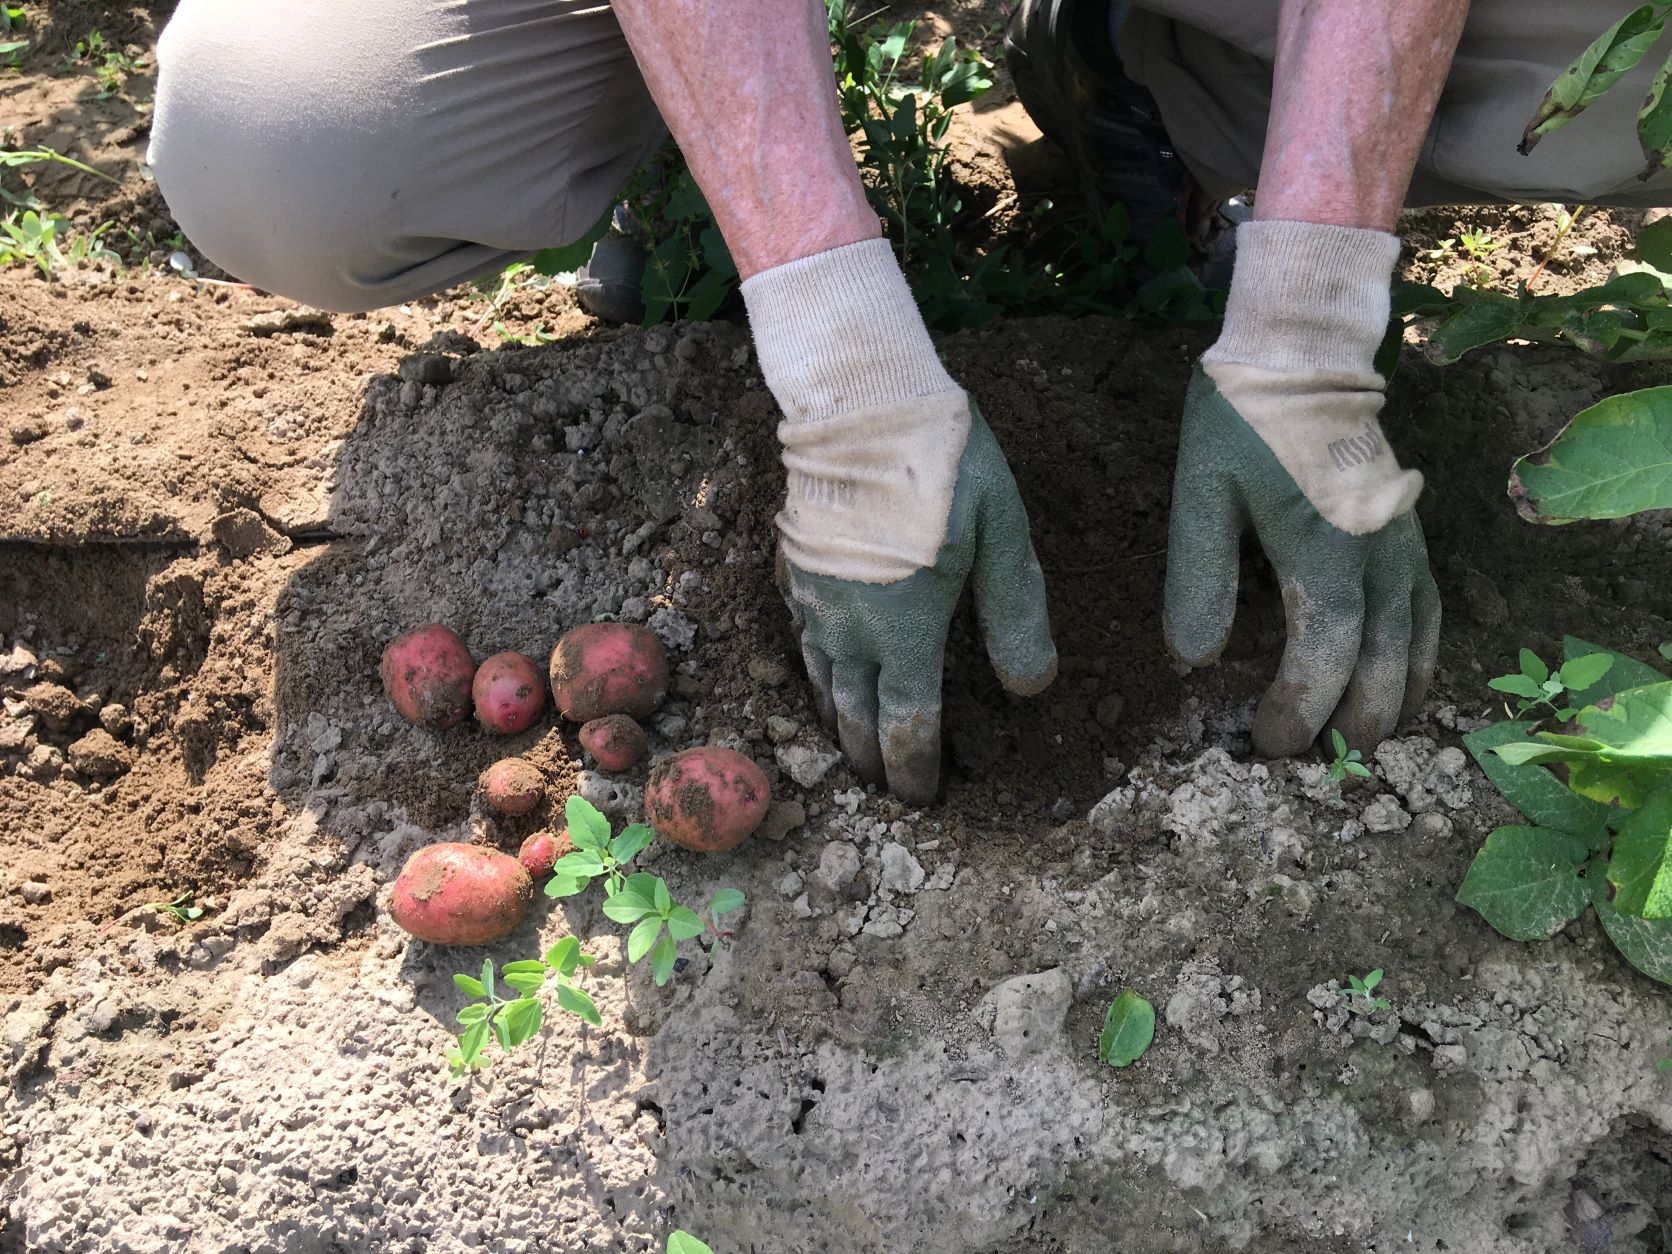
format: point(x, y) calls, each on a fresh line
point(357, 153)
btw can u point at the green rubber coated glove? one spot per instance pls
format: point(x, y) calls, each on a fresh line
point(897, 493)
point(874, 651)
point(1281, 436)
point(1362, 611)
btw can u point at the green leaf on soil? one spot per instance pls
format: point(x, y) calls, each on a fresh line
point(1585, 672)
point(524, 966)
point(1535, 791)
point(1525, 881)
point(725, 901)
point(633, 839)
point(564, 955)
point(1653, 245)
point(1487, 318)
point(1654, 123)
point(1593, 72)
point(578, 1003)
point(523, 982)
point(473, 1013)
point(1516, 686)
point(522, 1020)
point(684, 1243)
point(1640, 867)
point(474, 1040)
point(683, 923)
point(662, 960)
point(642, 937)
point(470, 986)
point(1626, 672)
point(1612, 460)
point(1645, 943)
point(1128, 1029)
point(588, 829)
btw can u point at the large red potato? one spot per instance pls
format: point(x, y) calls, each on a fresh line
point(457, 894)
point(608, 668)
point(427, 673)
point(512, 786)
point(508, 693)
point(707, 799)
point(615, 741)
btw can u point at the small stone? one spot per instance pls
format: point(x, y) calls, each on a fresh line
point(900, 871)
point(1431, 826)
point(1421, 1104)
point(227, 1179)
point(1450, 1057)
point(1109, 710)
point(99, 755)
point(838, 866)
point(806, 765)
point(782, 819)
point(780, 730)
point(43, 764)
point(427, 368)
point(1029, 1011)
point(35, 892)
point(116, 720)
point(1385, 814)
point(790, 885)
point(768, 671)
point(54, 704)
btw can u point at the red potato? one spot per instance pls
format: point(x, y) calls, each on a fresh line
point(541, 850)
point(508, 693)
point(608, 668)
point(427, 673)
point(615, 741)
point(457, 894)
point(707, 799)
point(512, 786)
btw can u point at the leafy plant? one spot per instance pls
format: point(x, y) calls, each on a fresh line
point(41, 239)
point(12, 20)
point(181, 907)
point(512, 1020)
point(1599, 834)
point(1537, 685)
point(1128, 1029)
point(1364, 991)
point(109, 63)
point(1347, 761)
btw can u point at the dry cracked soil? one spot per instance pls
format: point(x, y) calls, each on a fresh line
point(215, 509)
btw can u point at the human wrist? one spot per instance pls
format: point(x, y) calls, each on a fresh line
point(840, 331)
point(1307, 297)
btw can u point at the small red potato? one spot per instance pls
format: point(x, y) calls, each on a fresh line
point(608, 668)
point(512, 786)
point(615, 741)
point(707, 799)
point(457, 894)
point(427, 673)
point(541, 850)
point(508, 693)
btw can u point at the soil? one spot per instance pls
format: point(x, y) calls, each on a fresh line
point(217, 508)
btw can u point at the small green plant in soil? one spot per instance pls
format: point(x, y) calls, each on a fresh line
point(1347, 761)
point(637, 898)
point(12, 21)
point(1361, 994)
point(1540, 688)
point(181, 907)
point(1128, 1029)
point(46, 241)
point(110, 64)
point(1594, 780)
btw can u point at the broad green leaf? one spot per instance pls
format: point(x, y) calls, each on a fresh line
point(525, 966)
point(580, 863)
point(642, 937)
point(1419, 300)
point(661, 895)
point(626, 908)
point(487, 977)
point(1653, 245)
point(522, 1020)
point(1535, 791)
point(1532, 666)
point(565, 885)
point(662, 959)
point(684, 1243)
point(1486, 319)
point(524, 982)
point(1515, 685)
point(1625, 753)
point(1525, 881)
point(634, 838)
point(588, 829)
point(725, 901)
point(1584, 672)
point(501, 1030)
point(1612, 460)
point(473, 1013)
point(1645, 943)
point(473, 987)
point(1128, 1029)
point(1593, 72)
point(1640, 867)
point(1625, 672)
point(1654, 122)
point(576, 1002)
point(473, 1041)
point(683, 923)
point(564, 956)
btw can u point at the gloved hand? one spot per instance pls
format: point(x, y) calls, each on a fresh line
point(1281, 434)
point(897, 493)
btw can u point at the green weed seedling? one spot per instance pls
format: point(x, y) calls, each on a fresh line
point(1597, 833)
point(1540, 688)
point(1361, 994)
point(42, 240)
point(181, 907)
point(1347, 761)
point(513, 1020)
point(110, 64)
point(11, 23)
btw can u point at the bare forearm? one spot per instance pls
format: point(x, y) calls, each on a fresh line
point(1354, 90)
point(746, 87)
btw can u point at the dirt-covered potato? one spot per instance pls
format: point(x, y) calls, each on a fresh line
point(615, 741)
point(458, 894)
point(427, 673)
point(608, 668)
point(541, 850)
point(707, 799)
point(508, 693)
point(512, 786)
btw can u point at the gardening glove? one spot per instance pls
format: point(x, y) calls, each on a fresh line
point(1280, 434)
point(897, 493)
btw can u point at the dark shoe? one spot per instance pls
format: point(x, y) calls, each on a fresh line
point(1070, 80)
point(610, 286)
